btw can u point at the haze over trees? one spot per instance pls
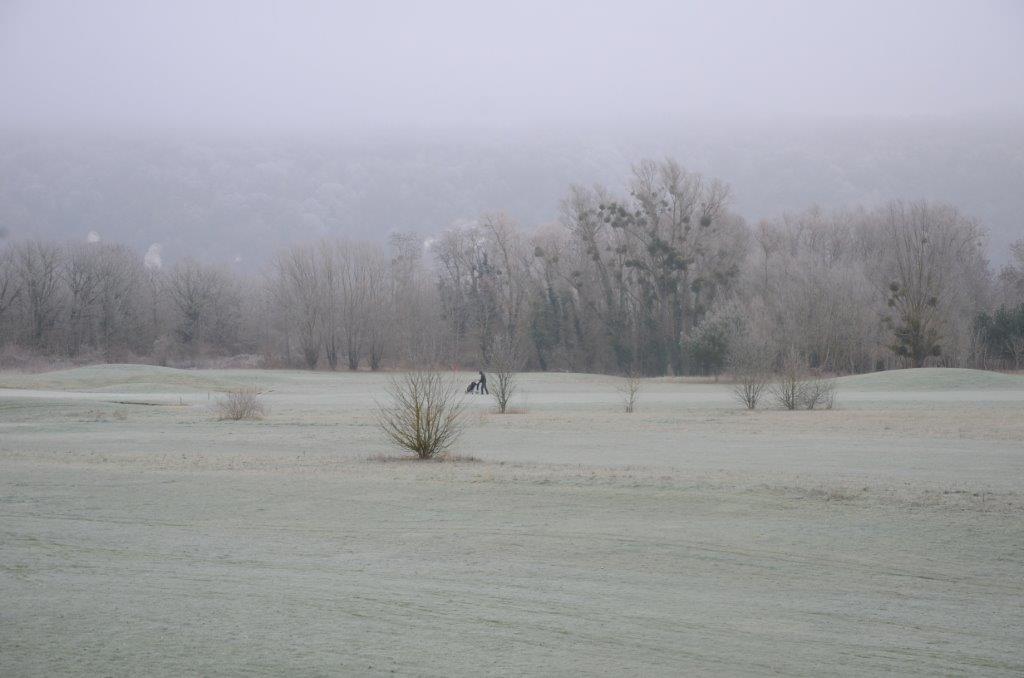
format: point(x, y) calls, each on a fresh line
point(659, 276)
point(237, 199)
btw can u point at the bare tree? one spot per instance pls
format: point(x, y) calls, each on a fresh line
point(504, 364)
point(333, 316)
point(469, 282)
point(9, 285)
point(355, 285)
point(356, 298)
point(649, 266)
point(789, 388)
point(1015, 347)
point(119, 321)
point(511, 270)
point(814, 290)
point(300, 294)
point(380, 307)
point(750, 364)
point(197, 294)
point(1010, 282)
point(819, 392)
point(37, 265)
point(80, 272)
point(630, 391)
point(416, 306)
point(925, 247)
point(424, 414)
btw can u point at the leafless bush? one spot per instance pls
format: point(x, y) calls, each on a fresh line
point(819, 392)
point(750, 367)
point(630, 390)
point(240, 404)
point(504, 388)
point(505, 363)
point(749, 388)
point(790, 387)
point(424, 415)
point(797, 389)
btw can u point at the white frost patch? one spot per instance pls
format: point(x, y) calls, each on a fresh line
point(152, 258)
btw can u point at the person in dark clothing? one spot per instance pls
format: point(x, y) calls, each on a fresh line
point(482, 384)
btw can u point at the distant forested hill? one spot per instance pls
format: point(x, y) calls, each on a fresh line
point(236, 199)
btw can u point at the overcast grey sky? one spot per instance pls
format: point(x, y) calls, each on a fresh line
point(300, 65)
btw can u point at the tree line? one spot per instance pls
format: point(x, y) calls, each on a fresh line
point(660, 277)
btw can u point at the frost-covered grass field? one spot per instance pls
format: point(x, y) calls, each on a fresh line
point(138, 536)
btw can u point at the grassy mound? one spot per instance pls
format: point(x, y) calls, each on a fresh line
point(118, 378)
point(931, 379)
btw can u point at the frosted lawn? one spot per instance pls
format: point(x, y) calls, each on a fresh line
point(140, 536)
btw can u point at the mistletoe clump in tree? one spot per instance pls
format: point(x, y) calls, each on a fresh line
point(914, 324)
point(926, 249)
point(666, 250)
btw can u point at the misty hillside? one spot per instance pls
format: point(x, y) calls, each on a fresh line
point(236, 199)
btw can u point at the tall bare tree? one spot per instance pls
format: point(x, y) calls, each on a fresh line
point(37, 265)
point(380, 306)
point(658, 259)
point(927, 247)
point(10, 289)
point(299, 292)
point(81, 274)
point(202, 304)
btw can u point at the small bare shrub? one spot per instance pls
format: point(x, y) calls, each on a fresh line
point(239, 404)
point(819, 393)
point(790, 387)
point(504, 388)
point(749, 364)
point(797, 389)
point(505, 362)
point(749, 388)
point(425, 413)
point(630, 390)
